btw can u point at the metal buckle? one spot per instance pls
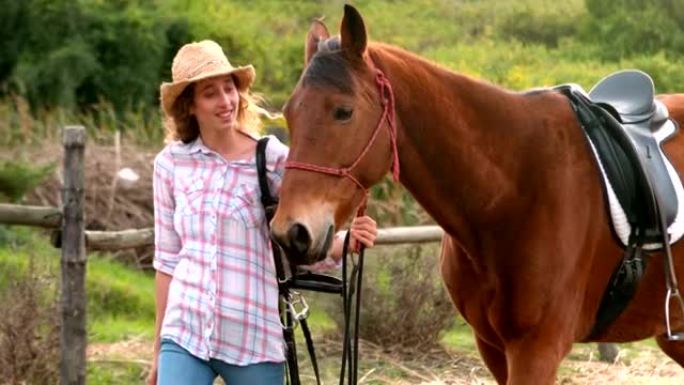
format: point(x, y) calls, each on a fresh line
point(295, 300)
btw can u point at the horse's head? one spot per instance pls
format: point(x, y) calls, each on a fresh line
point(342, 142)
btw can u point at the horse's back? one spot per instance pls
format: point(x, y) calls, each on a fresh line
point(471, 287)
point(674, 147)
point(675, 104)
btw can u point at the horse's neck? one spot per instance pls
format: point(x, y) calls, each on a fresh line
point(460, 142)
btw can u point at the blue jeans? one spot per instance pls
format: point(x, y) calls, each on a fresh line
point(178, 367)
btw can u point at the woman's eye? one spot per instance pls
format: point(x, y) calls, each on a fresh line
point(343, 113)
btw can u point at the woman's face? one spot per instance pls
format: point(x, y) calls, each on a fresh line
point(215, 103)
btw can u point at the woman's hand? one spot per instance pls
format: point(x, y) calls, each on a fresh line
point(364, 230)
point(152, 376)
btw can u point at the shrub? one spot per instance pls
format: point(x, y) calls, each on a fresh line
point(76, 54)
point(29, 331)
point(635, 27)
point(547, 25)
point(17, 179)
point(403, 300)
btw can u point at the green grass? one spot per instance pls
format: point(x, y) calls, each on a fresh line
point(103, 373)
point(120, 299)
point(459, 337)
point(21, 247)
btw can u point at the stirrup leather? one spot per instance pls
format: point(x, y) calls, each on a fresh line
point(670, 281)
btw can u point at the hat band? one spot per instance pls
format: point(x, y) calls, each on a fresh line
point(201, 67)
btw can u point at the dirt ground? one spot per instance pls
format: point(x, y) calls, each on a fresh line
point(637, 364)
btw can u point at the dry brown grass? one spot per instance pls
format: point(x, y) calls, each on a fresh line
point(379, 365)
point(29, 332)
point(110, 204)
point(637, 364)
point(403, 304)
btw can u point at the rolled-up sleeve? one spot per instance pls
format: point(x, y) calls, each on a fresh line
point(276, 155)
point(166, 241)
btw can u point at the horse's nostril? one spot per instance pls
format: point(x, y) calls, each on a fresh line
point(300, 239)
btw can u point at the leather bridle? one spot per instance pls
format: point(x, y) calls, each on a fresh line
point(388, 114)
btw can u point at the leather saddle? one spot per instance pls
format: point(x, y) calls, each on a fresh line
point(626, 125)
point(622, 119)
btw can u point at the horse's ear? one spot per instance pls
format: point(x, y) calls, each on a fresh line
point(353, 32)
point(317, 32)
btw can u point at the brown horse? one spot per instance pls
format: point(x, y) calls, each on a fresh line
point(509, 176)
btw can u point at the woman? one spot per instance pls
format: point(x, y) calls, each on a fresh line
point(216, 285)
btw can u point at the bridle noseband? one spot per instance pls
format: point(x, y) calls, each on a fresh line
point(388, 113)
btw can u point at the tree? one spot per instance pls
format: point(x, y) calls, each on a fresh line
point(636, 27)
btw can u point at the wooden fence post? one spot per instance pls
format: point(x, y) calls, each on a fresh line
point(73, 336)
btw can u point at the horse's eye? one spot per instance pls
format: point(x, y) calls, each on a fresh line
point(343, 113)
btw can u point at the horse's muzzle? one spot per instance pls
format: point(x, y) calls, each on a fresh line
point(298, 244)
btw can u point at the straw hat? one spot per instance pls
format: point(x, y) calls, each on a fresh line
point(197, 61)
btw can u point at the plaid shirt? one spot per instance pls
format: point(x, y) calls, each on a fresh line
point(211, 236)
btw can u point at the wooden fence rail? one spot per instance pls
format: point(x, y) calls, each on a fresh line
point(51, 217)
point(37, 216)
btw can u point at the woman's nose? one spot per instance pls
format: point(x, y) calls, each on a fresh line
point(224, 99)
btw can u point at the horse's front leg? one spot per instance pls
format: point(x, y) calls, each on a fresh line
point(534, 360)
point(537, 325)
point(468, 291)
point(494, 358)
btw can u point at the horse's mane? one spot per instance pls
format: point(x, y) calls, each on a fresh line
point(410, 61)
point(329, 67)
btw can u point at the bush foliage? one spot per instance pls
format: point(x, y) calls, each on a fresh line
point(29, 330)
point(79, 54)
point(403, 304)
point(18, 178)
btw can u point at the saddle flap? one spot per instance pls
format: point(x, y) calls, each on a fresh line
point(630, 92)
point(641, 188)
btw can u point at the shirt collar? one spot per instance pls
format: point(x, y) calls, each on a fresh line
point(198, 146)
point(192, 147)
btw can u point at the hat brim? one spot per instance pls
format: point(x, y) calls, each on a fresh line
point(169, 91)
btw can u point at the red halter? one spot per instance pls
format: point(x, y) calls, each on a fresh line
point(387, 100)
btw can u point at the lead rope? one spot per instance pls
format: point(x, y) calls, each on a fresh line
point(350, 347)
